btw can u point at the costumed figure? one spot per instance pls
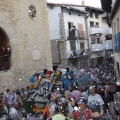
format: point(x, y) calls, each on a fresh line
point(35, 79)
point(33, 88)
point(57, 75)
point(42, 85)
point(66, 80)
point(47, 82)
point(58, 84)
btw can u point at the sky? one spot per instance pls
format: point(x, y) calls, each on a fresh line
point(93, 3)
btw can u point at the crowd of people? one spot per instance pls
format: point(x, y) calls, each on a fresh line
point(97, 98)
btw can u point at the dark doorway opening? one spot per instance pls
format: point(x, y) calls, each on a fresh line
point(5, 51)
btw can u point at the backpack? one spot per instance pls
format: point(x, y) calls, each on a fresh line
point(46, 110)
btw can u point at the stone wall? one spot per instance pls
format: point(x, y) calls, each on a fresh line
point(55, 52)
point(25, 36)
point(7, 6)
point(59, 53)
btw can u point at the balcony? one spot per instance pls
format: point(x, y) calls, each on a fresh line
point(109, 31)
point(76, 34)
point(97, 47)
point(5, 62)
point(95, 30)
point(74, 53)
point(77, 53)
point(109, 44)
point(104, 15)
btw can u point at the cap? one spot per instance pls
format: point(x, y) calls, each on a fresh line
point(94, 104)
point(48, 72)
point(82, 101)
point(91, 87)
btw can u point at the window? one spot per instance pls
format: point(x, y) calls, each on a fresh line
point(69, 13)
point(98, 40)
point(82, 46)
point(91, 24)
point(72, 45)
point(118, 25)
point(93, 40)
point(97, 24)
point(91, 15)
point(71, 29)
point(96, 16)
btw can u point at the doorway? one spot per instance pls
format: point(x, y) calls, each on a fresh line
point(5, 51)
point(118, 68)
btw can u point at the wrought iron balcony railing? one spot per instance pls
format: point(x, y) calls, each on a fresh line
point(97, 47)
point(95, 30)
point(4, 62)
point(78, 53)
point(76, 34)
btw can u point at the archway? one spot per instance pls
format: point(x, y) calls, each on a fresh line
point(5, 51)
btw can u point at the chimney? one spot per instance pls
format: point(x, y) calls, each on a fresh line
point(83, 2)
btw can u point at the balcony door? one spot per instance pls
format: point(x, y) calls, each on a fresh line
point(71, 28)
point(82, 46)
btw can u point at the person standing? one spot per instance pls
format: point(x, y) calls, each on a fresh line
point(94, 108)
point(61, 109)
point(94, 96)
point(13, 113)
point(53, 106)
point(2, 110)
point(9, 98)
point(83, 113)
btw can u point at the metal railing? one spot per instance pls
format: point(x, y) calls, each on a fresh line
point(4, 62)
point(95, 30)
point(97, 47)
point(74, 53)
point(78, 53)
point(76, 34)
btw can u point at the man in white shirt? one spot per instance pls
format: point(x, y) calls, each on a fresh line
point(13, 113)
point(95, 97)
point(8, 98)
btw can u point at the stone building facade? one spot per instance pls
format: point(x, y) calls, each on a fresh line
point(26, 31)
point(64, 41)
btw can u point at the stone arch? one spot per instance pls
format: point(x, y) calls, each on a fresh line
point(9, 29)
point(7, 25)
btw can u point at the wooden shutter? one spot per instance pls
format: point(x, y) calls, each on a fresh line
point(72, 45)
point(80, 28)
